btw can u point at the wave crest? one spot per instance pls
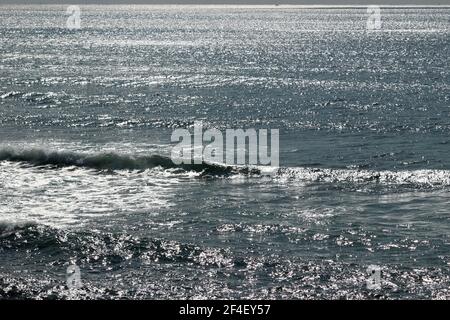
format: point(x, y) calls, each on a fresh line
point(110, 161)
point(114, 161)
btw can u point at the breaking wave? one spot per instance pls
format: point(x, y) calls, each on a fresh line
point(114, 161)
point(110, 161)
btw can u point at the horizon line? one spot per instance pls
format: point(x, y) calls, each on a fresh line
point(302, 6)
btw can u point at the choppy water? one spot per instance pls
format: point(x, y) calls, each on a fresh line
point(85, 174)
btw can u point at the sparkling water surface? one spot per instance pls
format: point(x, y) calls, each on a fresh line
point(85, 175)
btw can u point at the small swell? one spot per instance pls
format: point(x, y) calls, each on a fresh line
point(33, 97)
point(104, 247)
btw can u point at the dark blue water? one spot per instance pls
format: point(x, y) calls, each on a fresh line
point(85, 175)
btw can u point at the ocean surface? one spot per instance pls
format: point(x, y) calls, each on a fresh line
point(86, 177)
